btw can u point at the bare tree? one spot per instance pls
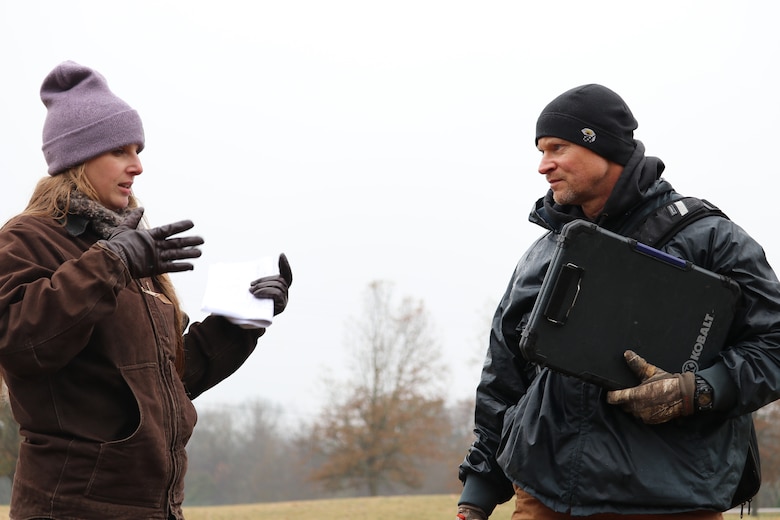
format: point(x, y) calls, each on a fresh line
point(767, 421)
point(9, 449)
point(241, 454)
point(383, 424)
point(9, 441)
point(441, 476)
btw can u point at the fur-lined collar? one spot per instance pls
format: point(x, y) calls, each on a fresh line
point(84, 212)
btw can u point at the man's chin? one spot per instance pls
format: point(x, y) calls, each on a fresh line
point(561, 199)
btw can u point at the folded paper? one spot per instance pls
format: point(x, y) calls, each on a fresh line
point(227, 293)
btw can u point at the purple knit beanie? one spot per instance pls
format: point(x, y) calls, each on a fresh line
point(84, 118)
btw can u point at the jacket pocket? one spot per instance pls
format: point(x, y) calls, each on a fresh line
point(139, 470)
point(129, 472)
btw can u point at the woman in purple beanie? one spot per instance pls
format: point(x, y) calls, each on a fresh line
point(93, 349)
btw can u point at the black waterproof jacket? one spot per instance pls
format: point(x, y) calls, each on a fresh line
point(557, 438)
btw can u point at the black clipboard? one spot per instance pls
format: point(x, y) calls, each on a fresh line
point(604, 293)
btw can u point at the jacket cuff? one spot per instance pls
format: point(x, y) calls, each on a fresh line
point(480, 492)
point(724, 391)
point(116, 264)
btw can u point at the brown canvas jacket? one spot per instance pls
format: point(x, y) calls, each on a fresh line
point(88, 356)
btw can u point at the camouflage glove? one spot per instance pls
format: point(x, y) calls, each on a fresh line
point(466, 512)
point(660, 397)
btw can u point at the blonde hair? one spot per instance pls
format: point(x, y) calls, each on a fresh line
point(51, 198)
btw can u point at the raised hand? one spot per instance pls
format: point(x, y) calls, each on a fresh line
point(275, 287)
point(147, 252)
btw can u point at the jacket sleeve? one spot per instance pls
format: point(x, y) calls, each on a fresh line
point(747, 375)
point(214, 349)
point(505, 378)
point(51, 296)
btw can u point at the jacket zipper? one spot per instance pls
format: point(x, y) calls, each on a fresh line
point(166, 384)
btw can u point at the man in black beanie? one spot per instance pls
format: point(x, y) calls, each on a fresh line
point(675, 445)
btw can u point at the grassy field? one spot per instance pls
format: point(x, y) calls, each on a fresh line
point(435, 507)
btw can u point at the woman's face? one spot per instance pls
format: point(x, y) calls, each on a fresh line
point(112, 175)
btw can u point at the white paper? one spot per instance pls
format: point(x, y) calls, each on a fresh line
point(227, 293)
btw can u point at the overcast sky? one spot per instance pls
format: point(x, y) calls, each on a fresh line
point(391, 140)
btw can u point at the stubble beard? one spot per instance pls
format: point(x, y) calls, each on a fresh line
point(565, 197)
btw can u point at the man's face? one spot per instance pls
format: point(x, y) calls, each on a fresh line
point(577, 176)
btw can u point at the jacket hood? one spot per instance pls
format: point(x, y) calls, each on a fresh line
point(639, 179)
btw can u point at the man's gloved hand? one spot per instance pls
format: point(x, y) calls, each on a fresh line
point(466, 512)
point(147, 252)
point(660, 397)
point(275, 287)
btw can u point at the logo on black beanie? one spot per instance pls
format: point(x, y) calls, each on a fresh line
point(588, 135)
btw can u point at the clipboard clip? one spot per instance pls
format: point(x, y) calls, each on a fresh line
point(564, 293)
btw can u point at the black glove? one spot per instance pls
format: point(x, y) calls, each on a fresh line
point(660, 397)
point(147, 252)
point(274, 287)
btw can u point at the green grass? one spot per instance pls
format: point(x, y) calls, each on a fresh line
point(377, 508)
point(419, 507)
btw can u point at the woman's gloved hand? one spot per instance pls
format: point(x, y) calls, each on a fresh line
point(147, 252)
point(275, 287)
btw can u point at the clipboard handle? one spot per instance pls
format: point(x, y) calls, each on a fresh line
point(564, 293)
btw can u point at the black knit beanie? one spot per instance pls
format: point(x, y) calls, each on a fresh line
point(592, 116)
